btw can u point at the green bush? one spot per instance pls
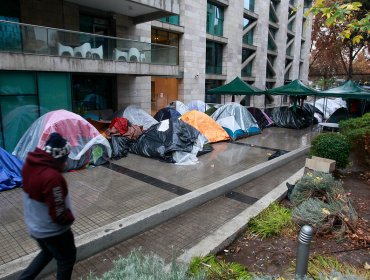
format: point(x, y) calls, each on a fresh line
point(332, 146)
point(271, 221)
point(357, 131)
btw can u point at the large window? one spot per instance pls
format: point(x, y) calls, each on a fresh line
point(248, 37)
point(161, 55)
point(249, 5)
point(215, 20)
point(213, 58)
point(247, 70)
point(25, 96)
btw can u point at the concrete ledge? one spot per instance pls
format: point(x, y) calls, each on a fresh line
point(226, 234)
point(104, 237)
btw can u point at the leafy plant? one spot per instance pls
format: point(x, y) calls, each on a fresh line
point(357, 131)
point(271, 221)
point(218, 269)
point(146, 267)
point(315, 184)
point(332, 146)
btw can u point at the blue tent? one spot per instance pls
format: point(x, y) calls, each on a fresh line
point(10, 171)
point(166, 113)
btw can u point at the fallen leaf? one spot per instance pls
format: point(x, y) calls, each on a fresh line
point(367, 266)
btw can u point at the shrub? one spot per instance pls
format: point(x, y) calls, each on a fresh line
point(332, 146)
point(357, 131)
point(271, 221)
point(316, 184)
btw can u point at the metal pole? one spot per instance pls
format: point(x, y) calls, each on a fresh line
point(304, 240)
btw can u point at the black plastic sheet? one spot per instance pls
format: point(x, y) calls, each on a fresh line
point(288, 118)
point(120, 146)
point(179, 136)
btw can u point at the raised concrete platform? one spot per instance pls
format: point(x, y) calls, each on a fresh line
point(168, 199)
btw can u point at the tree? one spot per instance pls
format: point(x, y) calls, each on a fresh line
point(341, 29)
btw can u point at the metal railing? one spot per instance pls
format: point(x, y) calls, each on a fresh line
point(41, 40)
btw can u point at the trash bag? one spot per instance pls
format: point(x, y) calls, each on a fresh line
point(290, 190)
point(120, 146)
point(277, 154)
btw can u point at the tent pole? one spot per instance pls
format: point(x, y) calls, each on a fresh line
point(313, 111)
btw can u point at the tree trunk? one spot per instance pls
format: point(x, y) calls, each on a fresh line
point(350, 64)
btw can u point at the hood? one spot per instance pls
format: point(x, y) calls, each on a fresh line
point(42, 158)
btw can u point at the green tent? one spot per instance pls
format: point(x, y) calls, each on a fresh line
point(348, 90)
point(296, 88)
point(236, 87)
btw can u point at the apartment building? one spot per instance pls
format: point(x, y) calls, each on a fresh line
point(95, 57)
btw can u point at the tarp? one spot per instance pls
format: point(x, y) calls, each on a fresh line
point(163, 139)
point(136, 116)
point(206, 125)
point(263, 120)
point(179, 107)
point(10, 171)
point(88, 145)
point(348, 90)
point(198, 105)
point(289, 117)
point(236, 87)
point(247, 125)
point(296, 88)
point(166, 113)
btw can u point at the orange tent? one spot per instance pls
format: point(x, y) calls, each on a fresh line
point(206, 125)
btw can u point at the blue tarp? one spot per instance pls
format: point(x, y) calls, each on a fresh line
point(10, 171)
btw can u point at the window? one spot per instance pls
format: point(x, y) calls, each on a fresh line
point(158, 53)
point(215, 20)
point(249, 5)
point(212, 98)
point(175, 20)
point(272, 12)
point(247, 70)
point(213, 58)
point(271, 44)
point(248, 37)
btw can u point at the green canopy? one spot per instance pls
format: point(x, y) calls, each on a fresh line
point(348, 90)
point(236, 87)
point(296, 88)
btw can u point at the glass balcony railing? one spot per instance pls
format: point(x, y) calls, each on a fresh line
point(33, 39)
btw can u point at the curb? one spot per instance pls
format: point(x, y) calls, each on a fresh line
point(226, 234)
point(106, 236)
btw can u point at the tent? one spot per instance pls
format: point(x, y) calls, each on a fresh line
point(348, 90)
point(328, 106)
point(236, 87)
point(136, 116)
point(261, 117)
point(88, 145)
point(206, 125)
point(10, 171)
point(289, 117)
point(166, 113)
point(198, 105)
point(296, 88)
point(163, 139)
point(238, 123)
point(179, 107)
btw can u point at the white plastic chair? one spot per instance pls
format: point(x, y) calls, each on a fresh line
point(97, 52)
point(62, 49)
point(83, 51)
point(142, 57)
point(134, 53)
point(117, 54)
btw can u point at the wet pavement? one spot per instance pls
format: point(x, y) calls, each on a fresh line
point(128, 186)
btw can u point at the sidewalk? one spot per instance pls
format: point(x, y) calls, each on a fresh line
point(131, 195)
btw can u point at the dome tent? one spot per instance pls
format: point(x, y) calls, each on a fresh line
point(87, 144)
point(136, 116)
point(236, 120)
point(198, 105)
point(166, 113)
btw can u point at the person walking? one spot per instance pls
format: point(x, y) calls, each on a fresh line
point(47, 208)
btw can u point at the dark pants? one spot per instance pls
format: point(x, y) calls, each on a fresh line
point(62, 248)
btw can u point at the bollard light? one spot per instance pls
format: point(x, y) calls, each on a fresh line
point(304, 241)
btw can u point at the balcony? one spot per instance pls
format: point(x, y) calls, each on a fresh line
point(72, 51)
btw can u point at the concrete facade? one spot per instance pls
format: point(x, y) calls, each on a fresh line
point(134, 79)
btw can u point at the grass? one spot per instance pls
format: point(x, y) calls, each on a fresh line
point(271, 221)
